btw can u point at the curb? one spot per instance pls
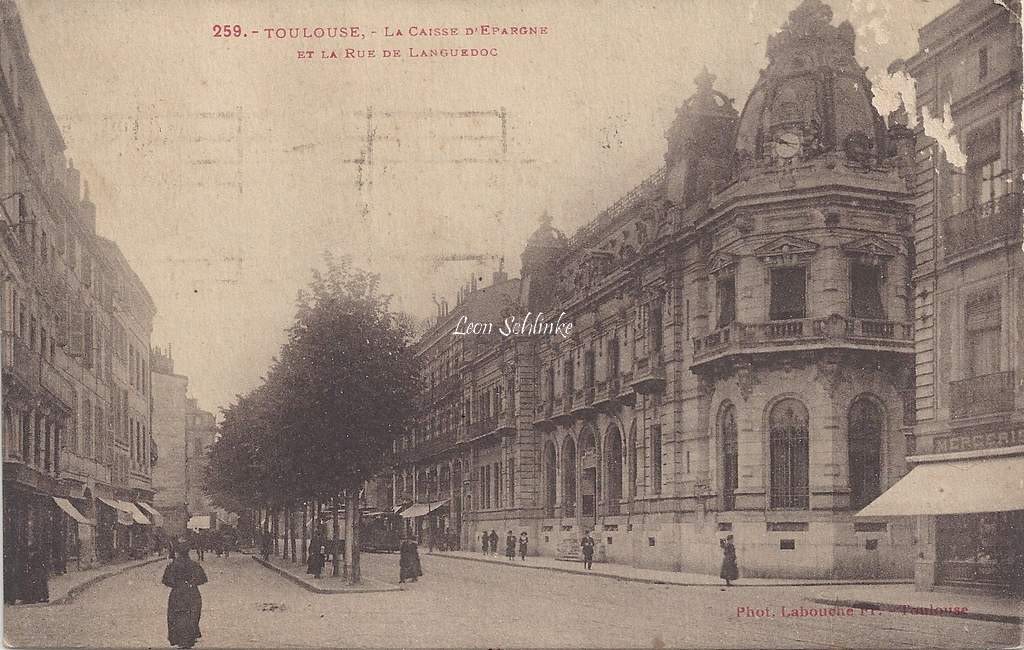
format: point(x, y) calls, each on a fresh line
point(322, 590)
point(654, 581)
point(77, 590)
point(889, 607)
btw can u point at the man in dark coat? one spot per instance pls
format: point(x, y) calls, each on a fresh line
point(184, 604)
point(730, 571)
point(587, 547)
point(510, 545)
point(524, 542)
point(494, 542)
point(485, 543)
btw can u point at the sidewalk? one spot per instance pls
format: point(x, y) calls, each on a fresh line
point(903, 599)
point(651, 576)
point(65, 588)
point(296, 572)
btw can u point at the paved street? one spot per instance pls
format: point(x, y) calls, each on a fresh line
point(460, 603)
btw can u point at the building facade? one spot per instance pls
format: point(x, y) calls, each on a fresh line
point(742, 353)
point(74, 407)
point(966, 488)
point(183, 433)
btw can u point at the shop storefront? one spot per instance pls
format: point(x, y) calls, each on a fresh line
point(970, 520)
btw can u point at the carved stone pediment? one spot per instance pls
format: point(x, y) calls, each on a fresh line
point(787, 250)
point(871, 246)
point(721, 262)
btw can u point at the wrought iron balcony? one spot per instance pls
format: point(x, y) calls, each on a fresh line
point(835, 330)
point(544, 412)
point(983, 224)
point(982, 395)
point(506, 423)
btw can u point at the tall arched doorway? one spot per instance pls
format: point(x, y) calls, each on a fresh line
point(632, 450)
point(550, 479)
point(568, 477)
point(589, 488)
point(456, 509)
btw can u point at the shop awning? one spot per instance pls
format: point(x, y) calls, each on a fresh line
point(154, 514)
point(198, 522)
point(954, 487)
point(72, 511)
point(124, 513)
point(420, 509)
point(137, 515)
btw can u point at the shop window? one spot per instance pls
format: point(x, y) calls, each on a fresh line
point(790, 458)
point(730, 455)
point(864, 447)
point(788, 293)
point(866, 289)
point(982, 335)
point(726, 300)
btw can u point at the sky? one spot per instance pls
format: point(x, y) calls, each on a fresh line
point(226, 167)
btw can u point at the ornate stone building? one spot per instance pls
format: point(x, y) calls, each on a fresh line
point(76, 417)
point(742, 346)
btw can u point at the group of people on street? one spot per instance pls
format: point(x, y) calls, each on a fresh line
point(489, 544)
point(511, 544)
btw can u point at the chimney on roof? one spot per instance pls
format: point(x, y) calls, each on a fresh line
point(73, 180)
point(88, 210)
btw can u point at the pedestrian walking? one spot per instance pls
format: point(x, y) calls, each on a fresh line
point(184, 604)
point(35, 587)
point(485, 543)
point(493, 538)
point(266, 546)
point(730, 571)
point(317, 559)
point(409, 568)
point(510, 546)
point(587, 546)
point(524, 542)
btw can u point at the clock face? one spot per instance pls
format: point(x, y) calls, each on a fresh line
point(787, 144)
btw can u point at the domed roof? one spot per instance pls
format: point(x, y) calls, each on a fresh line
point(813, 96)
point(546, 235)
point(702, 115)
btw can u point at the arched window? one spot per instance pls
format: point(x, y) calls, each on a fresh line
point(614, 472)
point(569, 477)
point(864, 446)
point(730, 455)
point(790, 457)
point(589, 482)
point(633, 461)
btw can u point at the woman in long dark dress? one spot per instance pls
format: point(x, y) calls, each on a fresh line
point(729, 570)
point(185, 604)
